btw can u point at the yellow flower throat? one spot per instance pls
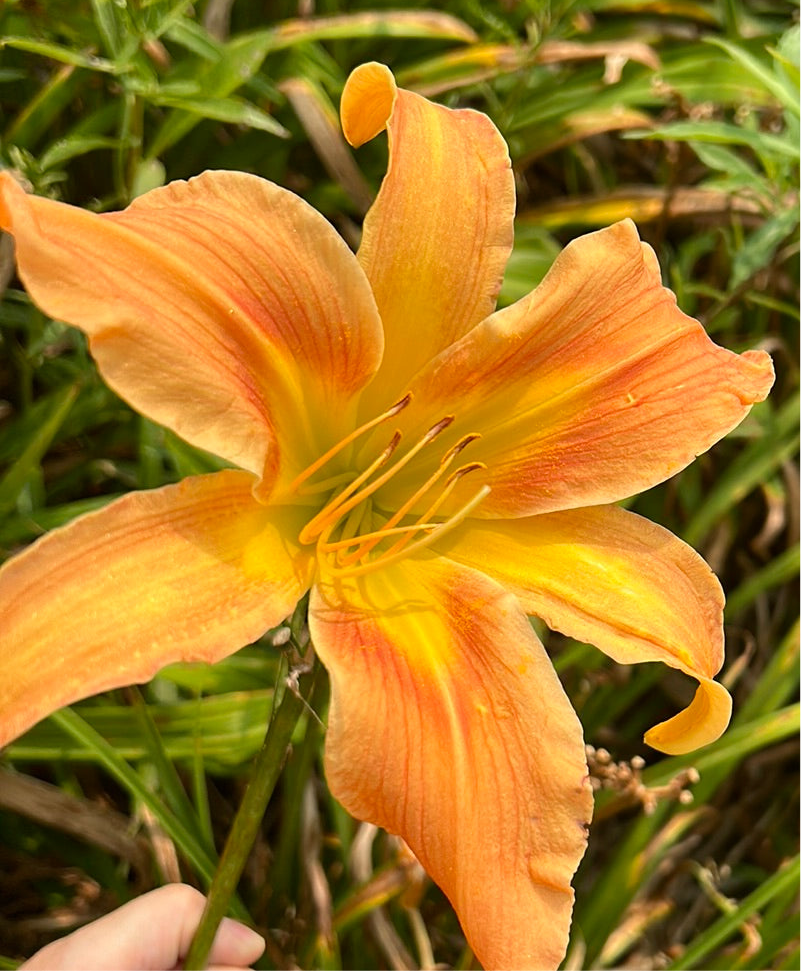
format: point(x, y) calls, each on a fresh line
point(349, 508)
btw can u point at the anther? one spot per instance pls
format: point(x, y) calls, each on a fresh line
point(463, 470)
point(462, 443)
point(437, 428)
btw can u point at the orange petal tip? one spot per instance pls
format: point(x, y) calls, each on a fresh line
point(367, 102)
point(761, 374)
point(702, 723)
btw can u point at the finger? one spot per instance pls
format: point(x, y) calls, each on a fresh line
point(152, 933)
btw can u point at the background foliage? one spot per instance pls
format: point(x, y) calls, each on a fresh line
point(682, 114)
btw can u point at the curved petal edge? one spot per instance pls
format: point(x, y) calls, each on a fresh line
point(437, 238)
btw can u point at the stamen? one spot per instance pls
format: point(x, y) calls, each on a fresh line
point(373, 540)
point(308, 472)
point(441, 529)
point(338, 503)
point(349, 498)
point(463, 441)
point(446, 461)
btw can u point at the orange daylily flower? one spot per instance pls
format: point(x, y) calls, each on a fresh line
point(432, 470)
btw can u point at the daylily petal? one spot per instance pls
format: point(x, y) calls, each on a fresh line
point(437, 238)
point(224, 307)
point(608, 577)
point(593, 388)
point(189, 572)
point(449, 727)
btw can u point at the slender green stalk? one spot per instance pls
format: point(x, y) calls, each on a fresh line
point(266, 771)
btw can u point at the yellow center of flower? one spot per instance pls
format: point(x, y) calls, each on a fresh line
point(349, 515)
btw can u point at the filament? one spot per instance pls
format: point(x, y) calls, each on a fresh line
point(437, 504)
point(439, 530)
point(309, 471)
point(372, 539)
point(353, 495)
point(350, 508)
point(335, 509)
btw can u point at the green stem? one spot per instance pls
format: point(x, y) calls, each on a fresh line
point(266, 771)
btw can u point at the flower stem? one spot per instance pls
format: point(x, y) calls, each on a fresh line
point(242, 834)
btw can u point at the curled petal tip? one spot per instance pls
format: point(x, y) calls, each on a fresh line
point(367, 102)
point(761, 374)
point(702, 723)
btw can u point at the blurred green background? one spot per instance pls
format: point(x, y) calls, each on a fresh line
point(682, 115)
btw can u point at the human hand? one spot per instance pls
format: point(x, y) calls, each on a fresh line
point(151, 933)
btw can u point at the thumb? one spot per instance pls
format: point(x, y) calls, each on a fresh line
point(151, 933)
point(235, 946)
